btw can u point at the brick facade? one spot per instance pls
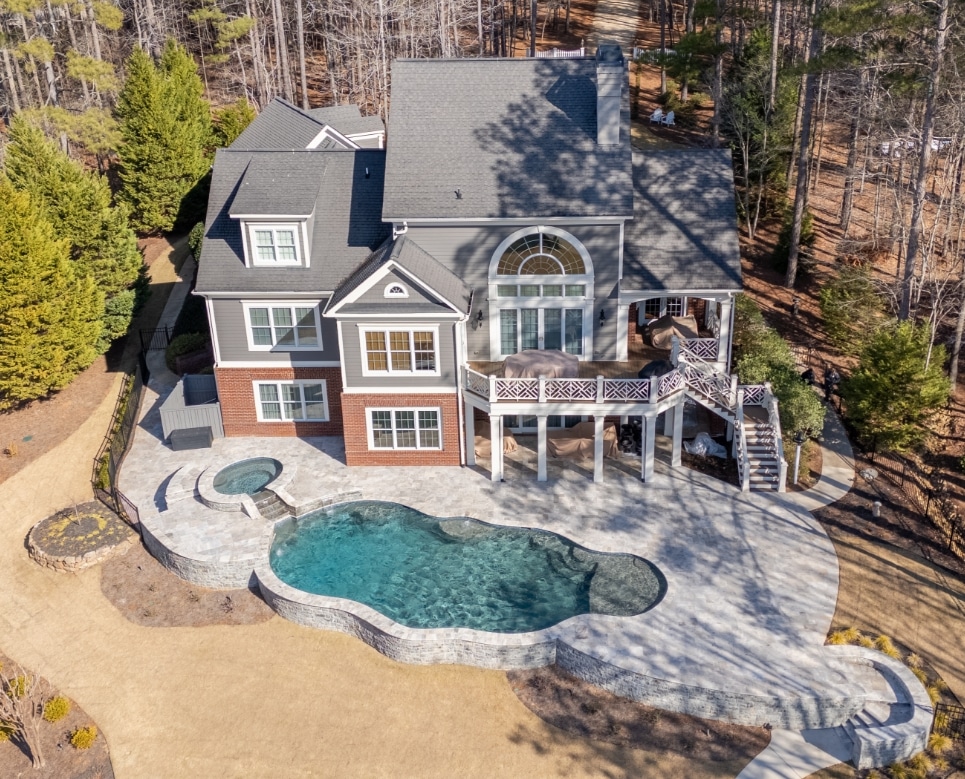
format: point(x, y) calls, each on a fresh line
point(357, 450)
point(237, 396)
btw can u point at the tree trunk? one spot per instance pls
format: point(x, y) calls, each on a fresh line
point(927, 130)
point(300, 20)
point(775, 41)
point(281, 51)
point(847, 200)
point(801, 187)
point(12, 84)
point(532, 28)
point(957, 343)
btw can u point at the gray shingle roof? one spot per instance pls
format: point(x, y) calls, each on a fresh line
point(280, 125)
point(515, 137)
point(346, 228)
point(683, 235)
point(279, 184)
point(418, 263)
point(347, 119)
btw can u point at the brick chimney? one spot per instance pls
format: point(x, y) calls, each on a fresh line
point(609, 90)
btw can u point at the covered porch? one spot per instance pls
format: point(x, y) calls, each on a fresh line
point(619, 396)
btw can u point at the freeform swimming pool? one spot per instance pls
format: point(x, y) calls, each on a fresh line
point(247, 477)
point(427, 572)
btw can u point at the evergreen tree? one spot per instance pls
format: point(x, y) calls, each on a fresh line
point(78, 205)
point(230, 121)
point(50, 317)
point(896, 387)
point(166, 132)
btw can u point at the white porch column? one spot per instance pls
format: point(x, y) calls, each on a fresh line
point(541, 448)
point(623, 331)
point(496, 433)
point(726, 326)
point(470, 434)
point(598, 448)
point(678, 434)
point(668, 419)
point(646, 455)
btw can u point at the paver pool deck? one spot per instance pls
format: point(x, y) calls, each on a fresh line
point(751, 578)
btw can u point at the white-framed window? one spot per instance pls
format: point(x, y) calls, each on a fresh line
point(283, 326)
point(304, 400)
point(654, 308)
point(404, 428)
point(395, 290)
point(274, 244)
point(400, 350)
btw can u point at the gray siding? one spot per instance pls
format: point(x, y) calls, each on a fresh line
point(352, 357)
point(416, 293)
point(467, 251)
point(230, 325)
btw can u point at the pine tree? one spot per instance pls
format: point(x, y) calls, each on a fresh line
point(166, 131)
point(896, 387)
point(50, 317)
point(230, 121)
point(78, 205)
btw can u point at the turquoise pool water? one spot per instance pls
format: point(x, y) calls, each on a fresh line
point(426, 572)
point(247, 477)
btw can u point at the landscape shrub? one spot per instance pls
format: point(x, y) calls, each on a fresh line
point(196, 239)
point(762, 355)
point(56, 708)
point(184, 344)
point(852, 309)
point(83, 738)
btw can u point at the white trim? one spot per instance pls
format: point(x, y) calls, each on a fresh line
point(341, 363)
point(213, 327)
point(635, 296)
point(298, 232)
point(389, 292)
point(330, 132)
point(273, 304)
point(279, 364)
point(285, 294)
point(255, 383)
point(500, 222)
point(392, 410)
point(434, 329)
point(426, 315)
point(549, 230)
point(272, 217)
point(411, 390)
point(356, 137)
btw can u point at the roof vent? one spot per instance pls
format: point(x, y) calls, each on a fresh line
point(609, 91)
point(458, 194)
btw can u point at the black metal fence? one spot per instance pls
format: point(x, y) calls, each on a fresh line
point(155, 340)
point(950, 720)
point(109, 457)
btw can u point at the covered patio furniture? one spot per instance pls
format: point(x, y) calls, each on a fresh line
point(483, 444)
point(660, 332)
point(655, 368)
point(533, 363)
point(576, 443)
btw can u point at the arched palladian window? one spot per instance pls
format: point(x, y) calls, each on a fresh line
point(541, 254)
point(541, 293)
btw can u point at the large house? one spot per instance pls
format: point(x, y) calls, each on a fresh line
point(371, 286)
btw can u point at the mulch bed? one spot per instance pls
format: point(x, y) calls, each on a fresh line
point(62, 760)
point(579, 708)
point(900, 524)
point(147, 594)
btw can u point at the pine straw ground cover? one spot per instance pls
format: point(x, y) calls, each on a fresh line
point(147, 594)
point(705, 747)
point(63, 761)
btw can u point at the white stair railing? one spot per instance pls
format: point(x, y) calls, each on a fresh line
point(740, 445)
point(770, 403)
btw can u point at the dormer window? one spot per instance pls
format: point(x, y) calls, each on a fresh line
point(274, 244)
point(396, 290)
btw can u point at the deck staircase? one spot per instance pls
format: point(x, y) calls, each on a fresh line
point(752, 413)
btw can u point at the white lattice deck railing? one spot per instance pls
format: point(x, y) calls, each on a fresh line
point(699, 348)
point(598, 390)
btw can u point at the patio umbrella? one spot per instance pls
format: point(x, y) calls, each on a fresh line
point(655, 368)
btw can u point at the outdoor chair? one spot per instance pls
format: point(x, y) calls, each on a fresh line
point(668, 119)
point(656, 116)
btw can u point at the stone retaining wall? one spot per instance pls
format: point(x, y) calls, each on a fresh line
point(75, 563)
point(215, 574)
